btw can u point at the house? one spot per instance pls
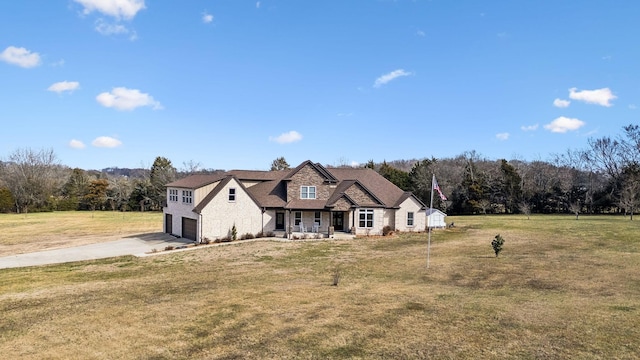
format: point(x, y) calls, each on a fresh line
point(435, 218)
point(308, 199)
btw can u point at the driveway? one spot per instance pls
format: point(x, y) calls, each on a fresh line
point(137, 245)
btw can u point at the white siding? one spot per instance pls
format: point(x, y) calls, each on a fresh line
point(378, 222)
point(178, 210)
point(419, 216)
point(220, 214)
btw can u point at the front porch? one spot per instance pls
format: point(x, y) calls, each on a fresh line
point(296, 235)
point(312, 221)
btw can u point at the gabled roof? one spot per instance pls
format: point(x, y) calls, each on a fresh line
point(405, 196)
point(344, 186)
point(212, 194)
point(328, 177)
point(433, 211)
point(383, 189)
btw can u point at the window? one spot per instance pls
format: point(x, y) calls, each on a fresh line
point(232, 194)
point(410, 218)
point(173, 195)
point(366, 218)
point(307, 192)
point(318, 218)
point(187, 196)
point(297, 218)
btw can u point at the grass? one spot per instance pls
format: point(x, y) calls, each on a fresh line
point(560, 288)
point(23, 233)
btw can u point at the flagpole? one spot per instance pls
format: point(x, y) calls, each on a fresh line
point(429, 220)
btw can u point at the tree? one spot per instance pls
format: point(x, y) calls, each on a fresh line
point(162, 173)
point(497, 243)
point(397, 177)
point(279, 164)
point(510, 186)
point(32, 178)
point(140, 195)
point(629, 196)
point(119, 192)
point(97, 193)
point(420, 178)
point(190, 167)
point(6, 200)
point(76, 188)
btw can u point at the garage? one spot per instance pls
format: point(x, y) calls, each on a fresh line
point(189, 228)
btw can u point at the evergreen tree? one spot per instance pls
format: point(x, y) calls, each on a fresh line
point(162, 173)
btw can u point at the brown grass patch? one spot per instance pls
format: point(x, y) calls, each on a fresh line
point(23, 233)
point(570, 291)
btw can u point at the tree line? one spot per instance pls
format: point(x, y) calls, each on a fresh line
point(602, 178)
point(33, 181)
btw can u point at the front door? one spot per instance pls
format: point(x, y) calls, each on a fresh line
point(279, 221)
point(338, 221)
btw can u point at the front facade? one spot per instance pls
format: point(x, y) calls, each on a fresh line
point(309, 199)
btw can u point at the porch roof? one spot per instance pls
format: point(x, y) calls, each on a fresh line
point(306, 204)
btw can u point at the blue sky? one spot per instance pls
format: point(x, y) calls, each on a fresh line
point(234, 84)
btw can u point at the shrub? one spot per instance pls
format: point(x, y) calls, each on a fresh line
point(336, 277)
point(168, 248)
point(234, 233)
point(206, 241)
point(386, 230)
point(247, 236)
point(260, 235)
point(497, 243)
point(270, 234)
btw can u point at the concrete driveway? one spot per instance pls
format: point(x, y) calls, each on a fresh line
point(127, 246)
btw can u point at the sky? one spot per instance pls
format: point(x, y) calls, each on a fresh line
point(235, 84)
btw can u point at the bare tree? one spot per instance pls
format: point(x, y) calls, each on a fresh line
point(525, 208)
point(190, 167)
point(575, 207)
point(32, 177)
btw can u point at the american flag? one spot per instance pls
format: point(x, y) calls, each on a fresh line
point(437, 188)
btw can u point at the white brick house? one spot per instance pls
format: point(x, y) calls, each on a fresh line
point(309, 198)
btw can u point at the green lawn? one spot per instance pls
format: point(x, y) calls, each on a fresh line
point(560, 289)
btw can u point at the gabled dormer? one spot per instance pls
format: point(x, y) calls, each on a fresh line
point(309, 181)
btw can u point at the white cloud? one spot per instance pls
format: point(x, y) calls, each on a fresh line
point(63, 86)
point(106, 28)
point(564, 124)
point(421, 33)
point(286, 138)
point(119, 9)
point(76, 144)
point(58, 63)
point(632, 106)
point(561, 103)
point(122, 98)
point(20, 56)
point(390, 76)
point(207, 18)
point(529, 127)
point(106, 142)
point(502, 136)
point(598, 96)
point(258, 5)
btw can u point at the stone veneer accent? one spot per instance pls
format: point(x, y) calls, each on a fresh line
point(308, 176)
point(360, 196)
